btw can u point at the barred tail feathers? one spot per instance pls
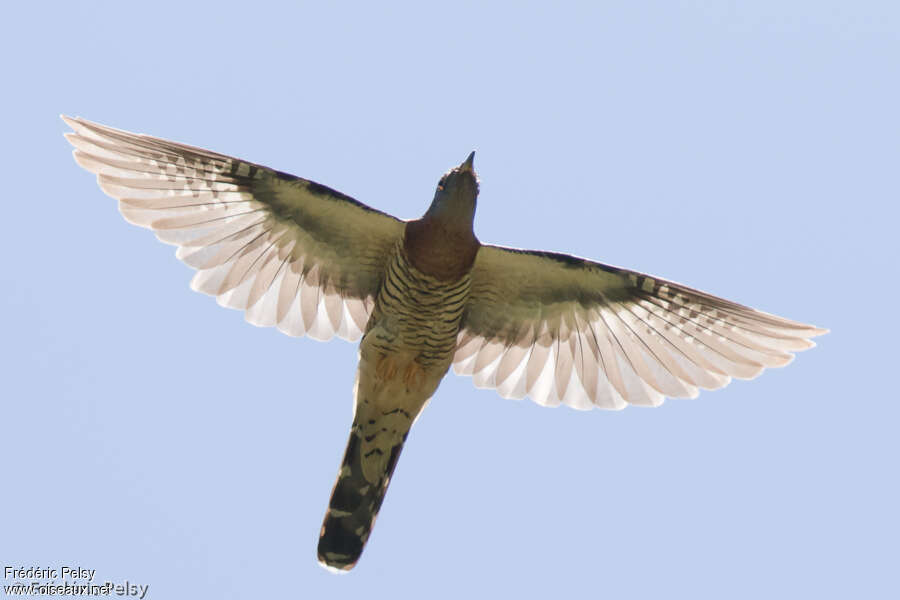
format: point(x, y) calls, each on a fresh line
point(355, 502)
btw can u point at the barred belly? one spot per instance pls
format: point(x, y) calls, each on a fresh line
point(407, 349)
point(417, 315)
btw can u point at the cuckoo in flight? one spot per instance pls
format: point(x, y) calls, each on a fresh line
point(424, 295)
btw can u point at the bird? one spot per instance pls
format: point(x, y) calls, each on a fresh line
point(422, 296)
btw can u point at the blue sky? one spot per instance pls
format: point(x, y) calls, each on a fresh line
point(745, 148)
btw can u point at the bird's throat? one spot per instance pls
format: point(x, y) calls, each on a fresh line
point(441, 248)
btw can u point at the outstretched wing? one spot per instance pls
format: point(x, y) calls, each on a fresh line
point(289, 251)
point(565, 330)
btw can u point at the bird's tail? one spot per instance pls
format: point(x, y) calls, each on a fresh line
point(355, 501)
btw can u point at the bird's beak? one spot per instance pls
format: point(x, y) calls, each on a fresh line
point(468, 164)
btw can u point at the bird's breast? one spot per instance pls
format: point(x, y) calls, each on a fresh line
point(418, 315)
point(442, 250)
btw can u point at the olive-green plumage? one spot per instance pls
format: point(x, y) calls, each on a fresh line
point(423, 295)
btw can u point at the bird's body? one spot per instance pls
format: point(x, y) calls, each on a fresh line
point(406, 350)
point(424, 295)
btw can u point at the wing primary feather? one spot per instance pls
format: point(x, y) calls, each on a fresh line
point(742, 366)
point(675, 387)
point(739, 316)
point(182, 223)
point(662, 355)
point(692, 351)
point(629, 343)
point(705, 375)
point(675, 291)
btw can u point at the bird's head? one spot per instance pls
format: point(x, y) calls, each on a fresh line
point(457, 191)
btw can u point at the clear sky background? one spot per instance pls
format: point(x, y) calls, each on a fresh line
point(750, 149)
